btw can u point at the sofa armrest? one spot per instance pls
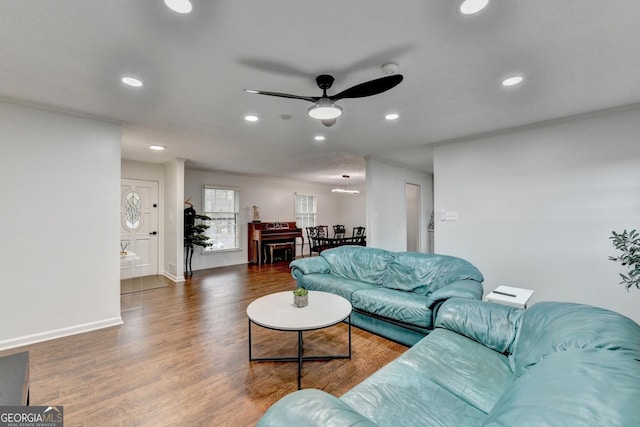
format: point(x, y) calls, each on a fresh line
point(459, 289)
point(312, 408)
point(493, 325)
point(302, 266)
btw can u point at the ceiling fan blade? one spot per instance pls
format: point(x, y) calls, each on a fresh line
point(329, 122)
point(283, 95)
point(369, 88)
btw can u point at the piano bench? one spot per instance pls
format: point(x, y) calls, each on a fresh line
point(272, 247)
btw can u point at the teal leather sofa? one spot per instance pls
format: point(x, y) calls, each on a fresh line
point(554, 364)
point(393, 294)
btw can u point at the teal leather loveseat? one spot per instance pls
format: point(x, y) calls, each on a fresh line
point(393, 294)
point(554, 364)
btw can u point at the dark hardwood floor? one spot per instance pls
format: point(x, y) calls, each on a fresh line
point(181, 357)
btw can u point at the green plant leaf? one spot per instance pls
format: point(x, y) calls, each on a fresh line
point(628, 242)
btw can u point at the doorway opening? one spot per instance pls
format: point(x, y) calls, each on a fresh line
point(412, 192)
point(139, 236)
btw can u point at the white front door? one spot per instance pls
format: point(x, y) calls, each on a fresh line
point(139, 227)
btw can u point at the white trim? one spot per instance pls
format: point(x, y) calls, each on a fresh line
point(172, 277)
point(236, 207)
point(60, 333)
point(219, 187)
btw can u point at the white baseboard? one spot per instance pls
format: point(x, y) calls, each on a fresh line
point(59, 333)
point(173, 277)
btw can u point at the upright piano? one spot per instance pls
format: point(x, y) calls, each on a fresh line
point(270, 232)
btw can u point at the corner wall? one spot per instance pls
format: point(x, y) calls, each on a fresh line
point(536, 207)
point(174, 221)
point(59, 186)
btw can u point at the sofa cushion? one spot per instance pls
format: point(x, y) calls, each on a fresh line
point(573, 388)
point(312, 408)
point(549, 327)
point(334, 284)
point(301, 266)
point(400, 306)
point(493, 325)
point(358, 262)
point(465, 368)
point(399, 395)
point(424, 273)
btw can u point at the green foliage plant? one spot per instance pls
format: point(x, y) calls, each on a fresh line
point(193, 235)
point(628, 242)
point(300, 292)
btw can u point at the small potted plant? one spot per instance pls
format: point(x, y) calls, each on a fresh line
point(301, 297)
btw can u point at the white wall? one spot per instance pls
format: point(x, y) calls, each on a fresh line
point(174, 220)
point(536, 207)
point(387, 205)
point(351, 210)
point(275, 199)
point(59, 186)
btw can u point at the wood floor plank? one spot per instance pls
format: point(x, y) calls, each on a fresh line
point(181, 357)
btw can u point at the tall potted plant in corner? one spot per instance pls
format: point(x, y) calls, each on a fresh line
point(628, 242)
point(193, 234)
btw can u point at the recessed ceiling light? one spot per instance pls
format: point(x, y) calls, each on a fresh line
point(132, 81)
point(469, 7)
point(512, 81)
point(179, 6)
point(319, 138)
point(251, 118)
point(157, 147)
point(392, 116)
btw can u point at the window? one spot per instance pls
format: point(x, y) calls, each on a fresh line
point(305, 210)
point(222, 206)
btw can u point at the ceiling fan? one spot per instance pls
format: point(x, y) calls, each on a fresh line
point(324, 107)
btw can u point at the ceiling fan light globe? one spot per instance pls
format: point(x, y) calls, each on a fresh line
point(324, 109)
point(470, 7)
point(179, 6)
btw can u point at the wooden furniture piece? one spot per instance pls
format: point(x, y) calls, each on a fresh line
point(270, 232)
point(359, 236)
point(271, 248)
point(277, 311)
point(317, 237)
point(333, 242)
point(338, 231)
point(323, 231)
point(14, 379)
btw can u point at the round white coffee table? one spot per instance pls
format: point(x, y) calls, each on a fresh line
point(277, 311)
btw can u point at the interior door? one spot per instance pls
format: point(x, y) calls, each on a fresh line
point(139, 227)
point(413, 217)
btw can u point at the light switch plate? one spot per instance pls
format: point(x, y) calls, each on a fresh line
point(451, 216)
point(448, 216)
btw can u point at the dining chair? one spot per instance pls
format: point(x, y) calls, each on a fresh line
point(359, 236)
point(314, 236)
point(322, 231)
point(338, 231)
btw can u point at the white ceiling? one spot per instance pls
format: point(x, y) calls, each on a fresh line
point(577, 56)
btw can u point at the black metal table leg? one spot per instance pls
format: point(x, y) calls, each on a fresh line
point(250, 359)
point(299, 360)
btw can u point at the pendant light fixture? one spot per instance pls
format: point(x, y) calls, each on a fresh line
point(348, 189)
